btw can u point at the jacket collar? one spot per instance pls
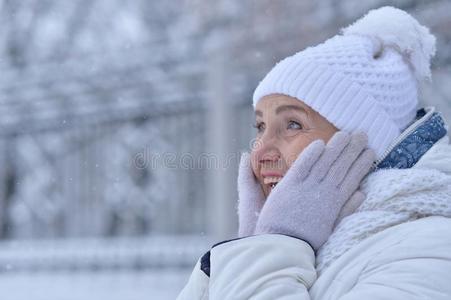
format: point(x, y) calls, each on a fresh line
point(413, 142)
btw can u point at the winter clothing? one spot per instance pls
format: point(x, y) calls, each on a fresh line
point(396, 246)
point(365, 79)
point(406, 188)
point(308, 199)
point(422, 135)
point(250, 197)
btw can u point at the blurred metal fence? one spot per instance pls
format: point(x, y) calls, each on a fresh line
point(102, 139)
point(116, 120)
point(102, 255)
point(91, 176)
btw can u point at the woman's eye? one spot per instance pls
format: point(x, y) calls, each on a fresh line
point(259, 126)
point(294, 125)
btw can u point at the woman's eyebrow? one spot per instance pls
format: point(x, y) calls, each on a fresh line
point(289, 107)
point(284, 108)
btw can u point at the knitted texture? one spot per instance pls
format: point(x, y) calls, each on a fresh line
point(364, 80)
point(250, 197)
point(395, 196)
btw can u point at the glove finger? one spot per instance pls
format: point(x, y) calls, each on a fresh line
point(246, 176)
point(245, 173)
point(358, 171)
point(350, 206)
point(340, 167)
point(247, 220)
point(333, 149)
point(247, 226)
point(304, 162)
point(251, 197)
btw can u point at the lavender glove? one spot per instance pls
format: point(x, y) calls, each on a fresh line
point(350, 206)
point(308, 199)
point(251, 197)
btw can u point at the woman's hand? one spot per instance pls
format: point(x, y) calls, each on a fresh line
point(308, 199)
point(251, 197)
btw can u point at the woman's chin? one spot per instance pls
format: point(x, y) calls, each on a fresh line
point(266, 192)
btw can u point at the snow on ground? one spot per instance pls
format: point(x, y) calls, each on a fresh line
point(113, 285)
point(151, 268)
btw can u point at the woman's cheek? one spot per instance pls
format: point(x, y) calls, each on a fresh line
point(296, 149)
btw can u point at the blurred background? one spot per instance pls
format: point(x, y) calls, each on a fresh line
point(122, 124)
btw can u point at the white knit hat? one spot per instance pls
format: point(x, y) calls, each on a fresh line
point(365, 79)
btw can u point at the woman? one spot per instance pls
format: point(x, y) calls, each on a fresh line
point(312, 223)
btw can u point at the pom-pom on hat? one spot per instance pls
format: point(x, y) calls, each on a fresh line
point(365, 79)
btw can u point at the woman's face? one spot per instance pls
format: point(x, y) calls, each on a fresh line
point(285, 126)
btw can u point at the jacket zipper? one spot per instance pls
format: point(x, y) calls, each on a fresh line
point(404, 134)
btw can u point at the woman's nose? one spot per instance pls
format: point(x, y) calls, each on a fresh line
point(266, 150)
point(270, 156)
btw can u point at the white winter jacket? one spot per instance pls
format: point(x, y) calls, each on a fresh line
point(410, 259)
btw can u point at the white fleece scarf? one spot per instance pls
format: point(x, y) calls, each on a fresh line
point(395, 196)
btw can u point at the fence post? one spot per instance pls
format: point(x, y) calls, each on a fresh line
point(3, 194)
point(221, 181)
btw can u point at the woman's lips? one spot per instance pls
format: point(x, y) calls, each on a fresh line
point(270, 182)
point(271, 174)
